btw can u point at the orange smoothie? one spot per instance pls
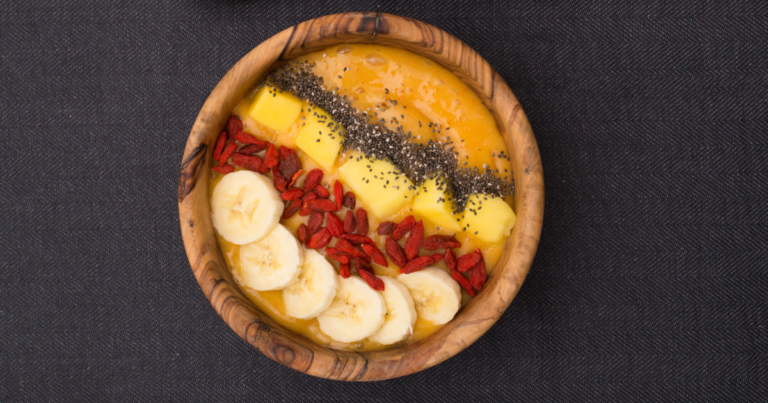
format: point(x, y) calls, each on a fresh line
point(433, 104)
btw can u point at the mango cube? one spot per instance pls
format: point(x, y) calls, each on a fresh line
point(488, 218)
point(274, 109)
point(435, 205)
point(320, 137)
point(377, 183)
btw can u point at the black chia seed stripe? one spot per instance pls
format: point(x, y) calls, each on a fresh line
point(419, 162)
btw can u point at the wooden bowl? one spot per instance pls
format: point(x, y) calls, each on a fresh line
point(477, 315)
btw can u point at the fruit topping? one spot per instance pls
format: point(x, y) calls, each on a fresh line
point(434, 204)
point(436, 296)
point(413, 243)
point(335, 225)
point(275, 109)
point(251, 162)
point(490, 219)
point(349, 222)
point(313, 291)
point(394, 252)
point(234, 125)
point(403, 228)
point(378, 184)
point(433, 242)
point(320, 137)
point(386, 228)
point(362, 221)
point(338, 194)
point(222, 140)
point(245, 207)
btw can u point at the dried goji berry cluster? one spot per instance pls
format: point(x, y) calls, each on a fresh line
point(353, 248)
point(472, 264)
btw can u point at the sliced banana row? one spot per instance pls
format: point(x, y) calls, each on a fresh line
point(359, 312)
point(247, 210)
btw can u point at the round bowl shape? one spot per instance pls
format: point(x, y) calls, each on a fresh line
point(474, 318)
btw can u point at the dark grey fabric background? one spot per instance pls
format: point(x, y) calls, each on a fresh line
point(650, 282)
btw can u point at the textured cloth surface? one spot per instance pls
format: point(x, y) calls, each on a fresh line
point(651, 280)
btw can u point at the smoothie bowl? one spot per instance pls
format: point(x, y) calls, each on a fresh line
point(361, 197)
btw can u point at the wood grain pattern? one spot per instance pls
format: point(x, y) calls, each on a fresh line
point(476, 316)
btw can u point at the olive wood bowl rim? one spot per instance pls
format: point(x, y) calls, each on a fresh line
point(475, 317)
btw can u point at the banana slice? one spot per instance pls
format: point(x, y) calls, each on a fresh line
point(246, 206)
point(357, 312)
point(436, 295)
point(401, 314)
point(272, 263)
point(313, 292)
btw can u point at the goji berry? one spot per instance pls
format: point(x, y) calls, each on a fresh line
point(291, 208)
point(436, 257)
point(386, 228)
point(337, 255)
point(416, 264)
point(312, 179)
point(477, 275)
point(349, 222)
point(320, 239)
point(322, 192)
point(303, 233)
point(357, 239)
point(403, 227)
point(338, 194)
point(234, 125)
point(433, 242)
point(292, 194)
point(220, 142)
point(309, 197)
point(304, 200)
point(450, 259)
point(394, 252)
point(362, 265)
point(373, 281)
point(349, 200)
point(375, 254)
point(344, 270)
point(281, 183)
point(334, 224)
point(270, 157)
point(467, 261)
point(295, 177)
point(315, 221)
point(224, 169)
point(252, 162)
point(362, 221)
point(318, 204)
point(463, 282)
point(413, 243)
point(226, 153)
point(345, 246)
point(250, 149)
point(289, 162)
point(246, 138)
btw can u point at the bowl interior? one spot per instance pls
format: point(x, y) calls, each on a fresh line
point(477, 315)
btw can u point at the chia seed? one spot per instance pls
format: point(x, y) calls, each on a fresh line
point(419, 162)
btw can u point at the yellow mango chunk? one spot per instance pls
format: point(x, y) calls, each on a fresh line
point(434, 204)
point(377, 184)
point(321, 142)
point(488, 218)
point(274, 109)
